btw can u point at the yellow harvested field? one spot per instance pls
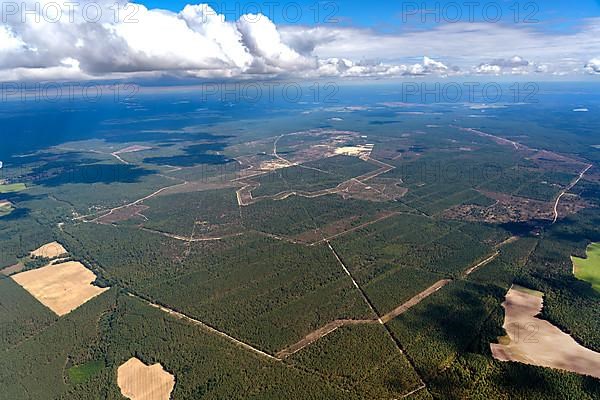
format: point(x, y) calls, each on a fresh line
point(61, 287)
point(535, 341)
point(141, 382)
point(49, 250)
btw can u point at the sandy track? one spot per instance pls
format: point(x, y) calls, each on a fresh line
point(206, 327)
point(245, 198)
point(482, 263)
point(191, 239)
point(396, 312)
point(566, 190)
point(415, 300)
point(335, 325)
point(319, 334)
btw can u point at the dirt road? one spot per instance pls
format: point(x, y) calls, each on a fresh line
point(566, 190)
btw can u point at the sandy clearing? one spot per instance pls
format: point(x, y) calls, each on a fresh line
point(50, 251)
point(138, 381)
point(355, 151)
point(62, 287)
point(537, 342)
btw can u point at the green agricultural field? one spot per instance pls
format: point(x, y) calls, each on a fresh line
point(12, 188)
point(82, 373)
point(588, 269)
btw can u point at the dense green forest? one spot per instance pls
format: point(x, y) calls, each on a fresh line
point(271, 279)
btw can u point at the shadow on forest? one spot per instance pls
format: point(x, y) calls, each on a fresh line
point(194, 155)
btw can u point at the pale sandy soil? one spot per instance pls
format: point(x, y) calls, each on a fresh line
point(537, 342)
point(356, 151)
point(141, 382)
point(62, 287)
point(49, 250)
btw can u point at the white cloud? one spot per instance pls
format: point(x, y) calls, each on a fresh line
point(262, 39)
point(515, 65)
point(199, 42)
point(8, 41)
point(593, 66)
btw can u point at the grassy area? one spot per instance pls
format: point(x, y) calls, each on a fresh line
point(588, 269)
point(82, 373)
point(12, 188)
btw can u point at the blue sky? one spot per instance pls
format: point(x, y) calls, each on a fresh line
point(391, 15)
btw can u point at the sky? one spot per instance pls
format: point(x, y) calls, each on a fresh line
point(301, 39)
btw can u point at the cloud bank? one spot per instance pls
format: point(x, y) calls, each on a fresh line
point(97, 40)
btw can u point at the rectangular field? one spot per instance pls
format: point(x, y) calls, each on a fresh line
point(62, 287)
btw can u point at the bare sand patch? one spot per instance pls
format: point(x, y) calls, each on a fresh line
point(62, 287)
point(534, 341)
point(50, 251)
point(141, 382)
point(355, 151)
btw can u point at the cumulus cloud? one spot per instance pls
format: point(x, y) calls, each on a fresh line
point(515, 65)
point(198, 42)
point(593, 66)
point(261, 37)
point(342, 67)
